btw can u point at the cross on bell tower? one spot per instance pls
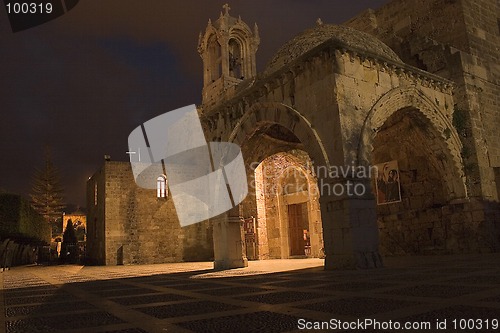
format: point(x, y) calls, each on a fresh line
point(228, 49)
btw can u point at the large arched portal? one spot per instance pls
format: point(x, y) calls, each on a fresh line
point(428, 181)
point(288, 211)
point(266, 134)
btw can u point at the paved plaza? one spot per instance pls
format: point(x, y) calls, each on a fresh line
point(267, 296)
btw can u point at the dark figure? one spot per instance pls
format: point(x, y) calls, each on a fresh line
point(382, 185)
point(234, 65)
point(392, 186)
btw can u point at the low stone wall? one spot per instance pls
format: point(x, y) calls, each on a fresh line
point(460, 227)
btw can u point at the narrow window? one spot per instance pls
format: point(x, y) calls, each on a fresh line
point(215, 60)
point(161, 187)
point(95, 194)
point(235, 69)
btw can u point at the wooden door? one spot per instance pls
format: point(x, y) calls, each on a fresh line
point(295, 229)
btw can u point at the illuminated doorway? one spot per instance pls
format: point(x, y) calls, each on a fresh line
point(298, 230)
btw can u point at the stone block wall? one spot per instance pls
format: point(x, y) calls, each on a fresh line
point(441, 20)
point(482, 78)
point(458, 40)
point(459, 227)
point(432, 35)
point(483, 32)
point(96, 237)
point(136, 227)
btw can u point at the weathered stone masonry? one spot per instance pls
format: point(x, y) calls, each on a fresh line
point(459, 41)
point(130, 225)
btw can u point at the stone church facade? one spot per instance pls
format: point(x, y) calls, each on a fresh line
point(412, 82)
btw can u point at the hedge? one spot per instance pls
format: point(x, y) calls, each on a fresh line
point(18, 220)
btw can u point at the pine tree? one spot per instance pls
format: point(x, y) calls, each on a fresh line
point(47, 192)
point(69, 236)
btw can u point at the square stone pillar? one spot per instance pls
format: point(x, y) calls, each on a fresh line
point(228, 238)
point(350, 230)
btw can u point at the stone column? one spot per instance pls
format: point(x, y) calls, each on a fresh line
point(229, 249)
point(350, 229)
point(224, 53)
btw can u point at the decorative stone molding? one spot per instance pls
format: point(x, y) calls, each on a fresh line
point(411, 97)
point(283, 115)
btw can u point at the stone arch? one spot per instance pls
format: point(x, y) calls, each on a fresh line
point(242, 36)
point(287, 183)
point(411, 97)
point(214, 62)
point(286, 116)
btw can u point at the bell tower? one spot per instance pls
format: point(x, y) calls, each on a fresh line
point(227, 49)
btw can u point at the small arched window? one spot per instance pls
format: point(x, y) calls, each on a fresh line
point(215, 60)
point(161, 187)
point(235, 62)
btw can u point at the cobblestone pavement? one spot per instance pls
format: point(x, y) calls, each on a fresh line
point(267, 296)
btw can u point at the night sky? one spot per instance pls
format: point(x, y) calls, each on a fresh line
point(81, 83)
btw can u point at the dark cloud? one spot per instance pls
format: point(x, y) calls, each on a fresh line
point(82, 82)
